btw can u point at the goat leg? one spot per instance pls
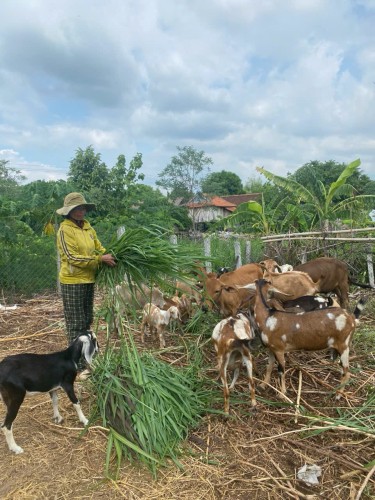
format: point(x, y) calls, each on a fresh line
point(55, 405)
point(69, 389)
point(13, 404)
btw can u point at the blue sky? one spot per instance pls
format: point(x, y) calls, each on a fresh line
point(272, 83)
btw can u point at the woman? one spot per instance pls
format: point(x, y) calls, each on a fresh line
point(81, 253)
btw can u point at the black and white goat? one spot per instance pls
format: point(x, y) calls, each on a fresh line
point(305, 303)
point(28, 373)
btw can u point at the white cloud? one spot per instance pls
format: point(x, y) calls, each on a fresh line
point(270, 83)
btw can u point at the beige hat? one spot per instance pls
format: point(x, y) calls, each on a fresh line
point(73, 200)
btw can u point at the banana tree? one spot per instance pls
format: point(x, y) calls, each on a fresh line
point(327, 203)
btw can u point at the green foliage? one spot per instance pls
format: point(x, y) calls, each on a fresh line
point(181, 177)
point(221, 183)
point(28, 266)
point(254, 185)
point(326, 203)
point(87, 171)
point(315, 172)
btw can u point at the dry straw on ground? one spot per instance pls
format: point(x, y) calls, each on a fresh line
point(250, 455)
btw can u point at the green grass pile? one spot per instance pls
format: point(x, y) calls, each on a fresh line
point(148, 405)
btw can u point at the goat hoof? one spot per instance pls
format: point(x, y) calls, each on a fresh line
point(58, 420)
point(17, 449)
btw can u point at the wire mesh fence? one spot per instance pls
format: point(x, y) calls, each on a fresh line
point(29, 263)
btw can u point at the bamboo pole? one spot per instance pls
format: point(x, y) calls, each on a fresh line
point(363, 240)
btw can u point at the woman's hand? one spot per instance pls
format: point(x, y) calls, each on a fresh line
point(108, 259)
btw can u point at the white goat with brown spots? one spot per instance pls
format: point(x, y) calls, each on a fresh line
point(316, 330)
point(231, 339)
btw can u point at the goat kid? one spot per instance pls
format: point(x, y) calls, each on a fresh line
point(284, 331)
point(157, 320)
point(231, 339)
point(28, 373)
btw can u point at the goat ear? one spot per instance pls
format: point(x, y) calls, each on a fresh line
point(230, 289)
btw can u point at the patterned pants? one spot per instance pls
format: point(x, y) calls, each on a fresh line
point(78, 302)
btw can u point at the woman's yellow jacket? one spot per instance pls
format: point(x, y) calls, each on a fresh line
point(80, 252)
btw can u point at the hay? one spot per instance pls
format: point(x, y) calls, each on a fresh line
point(250, 455)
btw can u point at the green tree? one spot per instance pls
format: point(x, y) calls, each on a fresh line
point(10, 179)
point(121, 181)
point(11, 205)
point(182, 176)
point(325, 204)
point(221, 183)
point(315, 172)
point(87, 171)
point(254, 185)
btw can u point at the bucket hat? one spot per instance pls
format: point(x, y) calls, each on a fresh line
point(73, 200)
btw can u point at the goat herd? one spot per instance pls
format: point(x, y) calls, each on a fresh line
point(289, 309)
point(285, 307)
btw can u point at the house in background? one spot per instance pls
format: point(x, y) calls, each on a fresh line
point(203, 208)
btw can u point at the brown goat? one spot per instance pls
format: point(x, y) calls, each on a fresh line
point(311, 331)
point(332, 275)
point(231, 339)
point(292, 284)
point(226, 292)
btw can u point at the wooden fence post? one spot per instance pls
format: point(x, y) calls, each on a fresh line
point(237, 252)
point(207, 252)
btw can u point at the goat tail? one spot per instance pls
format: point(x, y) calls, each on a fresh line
point(238, 343)
point(359, 307)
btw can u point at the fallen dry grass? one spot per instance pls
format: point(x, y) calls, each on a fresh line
point(250, 455)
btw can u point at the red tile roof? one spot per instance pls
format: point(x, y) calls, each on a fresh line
point(229, 202)
point(214, 201)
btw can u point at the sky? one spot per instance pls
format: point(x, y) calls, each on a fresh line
point(271, 83)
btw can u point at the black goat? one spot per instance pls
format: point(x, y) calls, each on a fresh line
point(28, 373)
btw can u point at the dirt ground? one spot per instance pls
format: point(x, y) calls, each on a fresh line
point(251, 455)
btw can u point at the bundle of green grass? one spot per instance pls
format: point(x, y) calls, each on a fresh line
point(147, 404)
point(145, 254)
